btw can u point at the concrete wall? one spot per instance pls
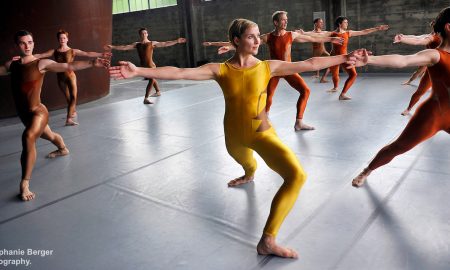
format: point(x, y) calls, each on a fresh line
point(209, 22)
point(163, 24)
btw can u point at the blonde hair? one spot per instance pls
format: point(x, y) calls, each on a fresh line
point(276, 15)
point(237, 28)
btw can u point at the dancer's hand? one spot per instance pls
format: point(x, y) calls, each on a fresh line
point(382, 27)
point(107, 47)
point(358, 58)
point(337, 40)
point(181, 40)
point(206, 43)
point(224, 49)
point(398, 38)
point(124, 71)
point(15, 58)
point(107, 54)
point(102, 62)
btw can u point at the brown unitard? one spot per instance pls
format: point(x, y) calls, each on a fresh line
point(67, 81)
point(26, 81)
point(425, 81)
point(431, 116)
point(145, 52)
point(340, 50)
point(280, 49)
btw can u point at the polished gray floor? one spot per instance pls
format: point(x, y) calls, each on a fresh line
point(145, 186)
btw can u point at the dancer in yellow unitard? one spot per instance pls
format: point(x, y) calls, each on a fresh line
point(243, 80)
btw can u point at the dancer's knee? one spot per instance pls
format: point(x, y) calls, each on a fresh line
point(295, 177)
point(29, 136)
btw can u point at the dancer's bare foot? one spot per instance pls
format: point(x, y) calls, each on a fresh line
point(405, 112)
point(240, 180)
point(74, 114)
point(315, 76)
point(267, 246)
point(361, 178)
point(332, 90)
point(58, 153)
point(147, 101)
point(325, 81)
point(157, 94)
point(344, 97)
point(71, 122)
point(299, 125)
point(25, 192)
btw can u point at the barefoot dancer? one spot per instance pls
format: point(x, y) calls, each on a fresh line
point(280, 42)
point(433, 114)
point(27, 74)
point(145, 51)
point(67, 81)
point(319, 48)
point(343, 32)
point(244, 80)
point(431, 41)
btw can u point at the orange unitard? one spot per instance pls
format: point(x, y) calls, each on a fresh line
point(340, 50)
point(431, 116)
point(145, 52)
point(280, 49)
point(67, 81)
point(425, 81)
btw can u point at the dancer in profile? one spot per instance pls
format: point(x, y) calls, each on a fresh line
point(433, 114)
point(144, 49)
point(27, 75)
point(280, 42)
point(67, 81)
point(431, 41)
point(244, 79)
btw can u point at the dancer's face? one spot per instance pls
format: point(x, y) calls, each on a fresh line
point(63, 39)
point(282, 22)
point(319, 24)
point(344, 25)
point(26, 45)
point(143, 34)
point(249, 41)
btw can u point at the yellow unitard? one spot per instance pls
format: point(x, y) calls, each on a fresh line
point(247, 128)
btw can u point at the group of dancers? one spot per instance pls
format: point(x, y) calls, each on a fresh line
point(248, 85)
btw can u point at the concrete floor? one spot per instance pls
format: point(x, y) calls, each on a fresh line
point(145, 186)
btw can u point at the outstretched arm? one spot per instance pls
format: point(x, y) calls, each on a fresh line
point(92, 54)
point(367, 31)
point(157, 44)
point(413, 40)
point(282, 68)
point(427, 57)
point(129, 70)
point(50, 65)
point(313, 34)
point(46, 54)
point(314, 38)
point(120, 47)
point(216, 43)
